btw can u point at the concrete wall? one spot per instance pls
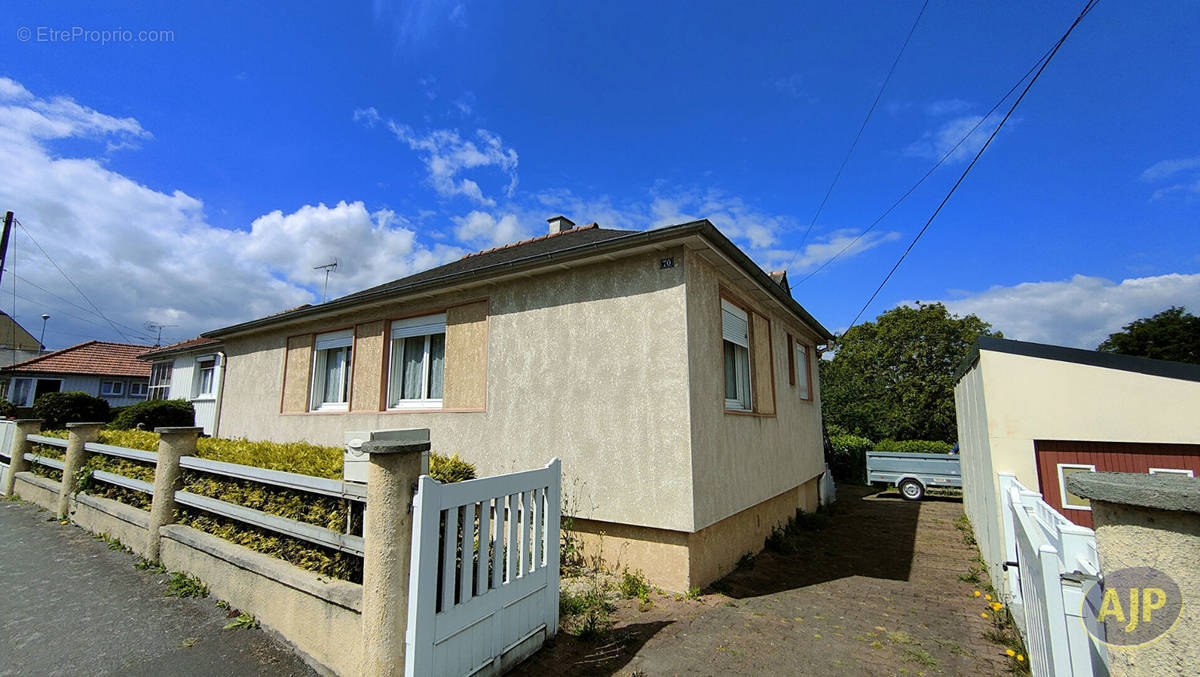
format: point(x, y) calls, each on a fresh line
point(587, 364)
point(321, 617)
point(1132, 536)
point(1019, 399)
point(740, 460)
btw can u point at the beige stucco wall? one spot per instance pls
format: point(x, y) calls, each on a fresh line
point(1029, 398)
point(1131, 536)
point(739, 461)
point(587, 364)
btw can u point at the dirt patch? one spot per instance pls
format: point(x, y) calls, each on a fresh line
point(875, 591)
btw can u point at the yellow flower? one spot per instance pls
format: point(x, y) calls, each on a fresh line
point(996, 606)
point(988, 597)
point(1010, 652)
point(977, 593)
point(984, 615)
point(1020, 657)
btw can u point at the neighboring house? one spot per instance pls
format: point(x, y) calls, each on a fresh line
point(189, 370)
point(16, 344)
point(1042, 412)
point(107, 370)
point(670, 374)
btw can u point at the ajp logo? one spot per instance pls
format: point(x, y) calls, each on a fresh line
point(1131, 607)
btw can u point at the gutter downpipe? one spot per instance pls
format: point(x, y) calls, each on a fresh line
point(220, 396)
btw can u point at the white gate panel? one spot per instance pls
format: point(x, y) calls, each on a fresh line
point(483, 588)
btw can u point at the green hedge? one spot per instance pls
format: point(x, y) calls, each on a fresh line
point(58, 409)
point(914, 446)
point(7, 409)
point(153, 414)
point(847, 457)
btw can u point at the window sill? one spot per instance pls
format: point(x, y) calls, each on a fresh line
point(339, 408)
point(204, 398)
point(409, 405)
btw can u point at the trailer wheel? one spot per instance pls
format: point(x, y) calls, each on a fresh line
point(912, 490)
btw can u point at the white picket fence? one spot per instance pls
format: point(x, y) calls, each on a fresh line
point(483, 589)
point(1055, 563)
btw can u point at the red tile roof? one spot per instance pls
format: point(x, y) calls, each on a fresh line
point(181, 347)
point(93, 357)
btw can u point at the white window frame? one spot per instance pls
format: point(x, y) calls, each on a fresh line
point(323, 345)
point(803, 370)
point(427, 326)
point(735, 329)
point(12, 389)
point(161, 375)
point(1172, 471)
point(118, 391)
point(135, 386)
point(198, 391)
point(1062, 484)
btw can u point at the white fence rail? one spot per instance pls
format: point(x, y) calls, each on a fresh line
point(1050, 563)
point(304, 531)
point(483, 588)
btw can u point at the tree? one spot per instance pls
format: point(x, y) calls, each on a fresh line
point(1173, 334)
point(894, 378)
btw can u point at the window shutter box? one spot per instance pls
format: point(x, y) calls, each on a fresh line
point(334, 339)
point(735, 325)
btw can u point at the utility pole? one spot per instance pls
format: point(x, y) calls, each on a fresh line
point(8, 219)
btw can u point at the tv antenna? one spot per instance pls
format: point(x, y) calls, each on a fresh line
point(329, 268)
point(158, 327)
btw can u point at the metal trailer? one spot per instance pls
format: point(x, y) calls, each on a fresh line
point(914, 473)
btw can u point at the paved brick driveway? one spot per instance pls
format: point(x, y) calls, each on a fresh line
point(875, 592)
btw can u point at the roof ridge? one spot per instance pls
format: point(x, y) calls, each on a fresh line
point(532, 239)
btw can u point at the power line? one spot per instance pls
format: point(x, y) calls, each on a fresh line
point(931, 170)
point(72, 283)
point(136, 332)
point(1087, 8)
point(863, 126)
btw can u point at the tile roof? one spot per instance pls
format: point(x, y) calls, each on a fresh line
point(181, 347)
point(93, 357)
point(545, 244)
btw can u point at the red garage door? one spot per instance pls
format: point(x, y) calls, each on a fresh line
point(1056, 459)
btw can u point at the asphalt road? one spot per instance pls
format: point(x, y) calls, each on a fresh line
point(69, 605)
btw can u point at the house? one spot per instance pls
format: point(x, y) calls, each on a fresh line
point(670, 374)
point(190, 370)
point(110, 371)
point(16, 344)
point(1042, 412)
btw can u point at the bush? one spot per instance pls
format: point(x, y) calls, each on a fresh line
point(58, 409)
point(155, 413)
point(915, 446)
point(449, 469)
point(7, 409)
point(847, 457)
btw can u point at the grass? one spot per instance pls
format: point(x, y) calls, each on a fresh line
point(587, 614)
point(963, 524)
point(185, 585)
point(919, 655)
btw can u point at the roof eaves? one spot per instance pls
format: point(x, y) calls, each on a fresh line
point(1092, 358)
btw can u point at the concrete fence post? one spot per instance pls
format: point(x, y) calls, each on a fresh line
point(78, 434)
point(173, 443)
point(395, 465)
point(20, 446)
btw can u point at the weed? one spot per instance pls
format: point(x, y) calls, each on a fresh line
point(184, 585)
point(876, 644)
point(586, 614)
point(633, 584)
point(899, 637)
point(972, 576)
point(921, 656)
point(963, 524)
point(143, 564)
point(113, 542)
point(189, 642)
point(223, 605)
point(244, 621)
point(692, 594)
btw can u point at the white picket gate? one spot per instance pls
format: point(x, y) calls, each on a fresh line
point(483, 588)
point(1056, 561)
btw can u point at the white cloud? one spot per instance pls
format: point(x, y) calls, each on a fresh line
point(480, 226)
point(947, 107)
point(143, 254)
point(1079, 312)
point(447, 155)
point(824, 247)
point(1185, 172)
point(368, 117)
point(938, 142)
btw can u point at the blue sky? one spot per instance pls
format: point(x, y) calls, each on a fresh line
point(196, 180)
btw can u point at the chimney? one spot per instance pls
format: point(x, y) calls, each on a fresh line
point(560, 223)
